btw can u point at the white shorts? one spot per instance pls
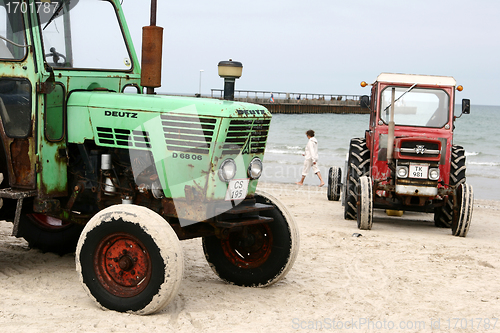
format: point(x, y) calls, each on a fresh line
point(308, 164)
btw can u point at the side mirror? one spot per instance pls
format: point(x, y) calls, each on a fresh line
point(364, 101)
point(466, 106)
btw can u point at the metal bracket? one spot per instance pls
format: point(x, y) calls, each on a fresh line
point(19, 195)
point(19, 207)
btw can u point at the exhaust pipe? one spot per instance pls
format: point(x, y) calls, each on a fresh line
point(390, 136)
point(152, 47)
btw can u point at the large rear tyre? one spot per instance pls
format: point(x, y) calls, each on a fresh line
point(443, 216)
point(461, 225)
point(334, 184)
point(259, 256)
point(49, 234)
point(365, 203)
point(358, 165)
point(129, 259)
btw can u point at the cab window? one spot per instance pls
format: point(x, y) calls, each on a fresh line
point(88, 36)
point(12, 38)
point(418, 107)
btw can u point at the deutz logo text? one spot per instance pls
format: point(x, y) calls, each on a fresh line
point(251, 111)
point(120, 114)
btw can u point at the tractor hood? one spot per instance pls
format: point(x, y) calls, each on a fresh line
point(88, 112)
point(123, 103)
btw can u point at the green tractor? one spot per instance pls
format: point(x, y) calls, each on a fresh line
point(91, 163)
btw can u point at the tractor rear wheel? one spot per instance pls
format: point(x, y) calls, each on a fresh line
point(358, 165)
point(259, 256)
point(461, 224)
point(365, 203)
point(129, 259)
point(443, 216)
point(334, 184)
point(47, 233)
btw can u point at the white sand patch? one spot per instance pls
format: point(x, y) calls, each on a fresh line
point(404, 271)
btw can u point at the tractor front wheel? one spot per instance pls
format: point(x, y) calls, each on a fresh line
point(461, 224)
point(129, 259)
point(365, 203)
point(260, 255)
point(334, 183)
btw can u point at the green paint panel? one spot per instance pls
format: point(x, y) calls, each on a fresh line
point(54, 114)
point(189, 137)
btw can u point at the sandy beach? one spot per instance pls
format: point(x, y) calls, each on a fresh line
point(405, 275)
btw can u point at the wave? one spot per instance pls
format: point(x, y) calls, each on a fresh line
point(472, 153)
point(291, 150)
point(485, 163)
point(477, 175)
point(282, 151)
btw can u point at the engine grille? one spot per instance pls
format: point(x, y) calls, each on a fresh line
point(246, 136)
point(189, 134)
point(123, 137)
point(419, 149)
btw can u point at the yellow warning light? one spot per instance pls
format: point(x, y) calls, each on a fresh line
point(363, 84)
point(460, 88)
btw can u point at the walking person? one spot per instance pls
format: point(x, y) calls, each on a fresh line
point(311, 158)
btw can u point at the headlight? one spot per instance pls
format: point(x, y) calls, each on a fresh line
point(402, 171)
point(255, 168)
point(227, 170)
point(434, 174)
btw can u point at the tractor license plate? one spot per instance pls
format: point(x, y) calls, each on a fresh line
point(237, 189)
point(418, 171)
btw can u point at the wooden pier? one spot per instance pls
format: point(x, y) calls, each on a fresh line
point(285, 102)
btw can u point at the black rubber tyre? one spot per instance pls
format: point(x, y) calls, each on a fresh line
point(262, 258)
point(358, 165)
point(365, 204)
point(129, 259)
point(48, 234)
point(7, 206)
point(465, 196)
point(8, 209)
point(334, 184)
point(443, 215)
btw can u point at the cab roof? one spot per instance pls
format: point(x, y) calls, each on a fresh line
point(419, 79)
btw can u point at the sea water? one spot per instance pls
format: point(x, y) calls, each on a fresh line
point(283, 160)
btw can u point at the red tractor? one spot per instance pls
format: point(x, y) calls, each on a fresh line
point(407, 160)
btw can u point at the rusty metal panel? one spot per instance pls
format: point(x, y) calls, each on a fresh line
point(23, 171)
point(152, 39)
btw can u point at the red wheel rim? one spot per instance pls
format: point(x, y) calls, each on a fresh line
point(122, 265)
point(48, 222)
point(250, 249)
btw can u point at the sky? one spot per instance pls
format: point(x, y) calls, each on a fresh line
point(325, 46)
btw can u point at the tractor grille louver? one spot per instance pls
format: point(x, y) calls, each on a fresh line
point(246, 136)
point(123, 137)
point(188, 134)
point(409, 148)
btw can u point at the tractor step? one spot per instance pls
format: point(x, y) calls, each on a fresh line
point(231, 223)
point(244, 208)
point(10, 193)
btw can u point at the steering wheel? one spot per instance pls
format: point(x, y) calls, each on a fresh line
point(56, 56)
